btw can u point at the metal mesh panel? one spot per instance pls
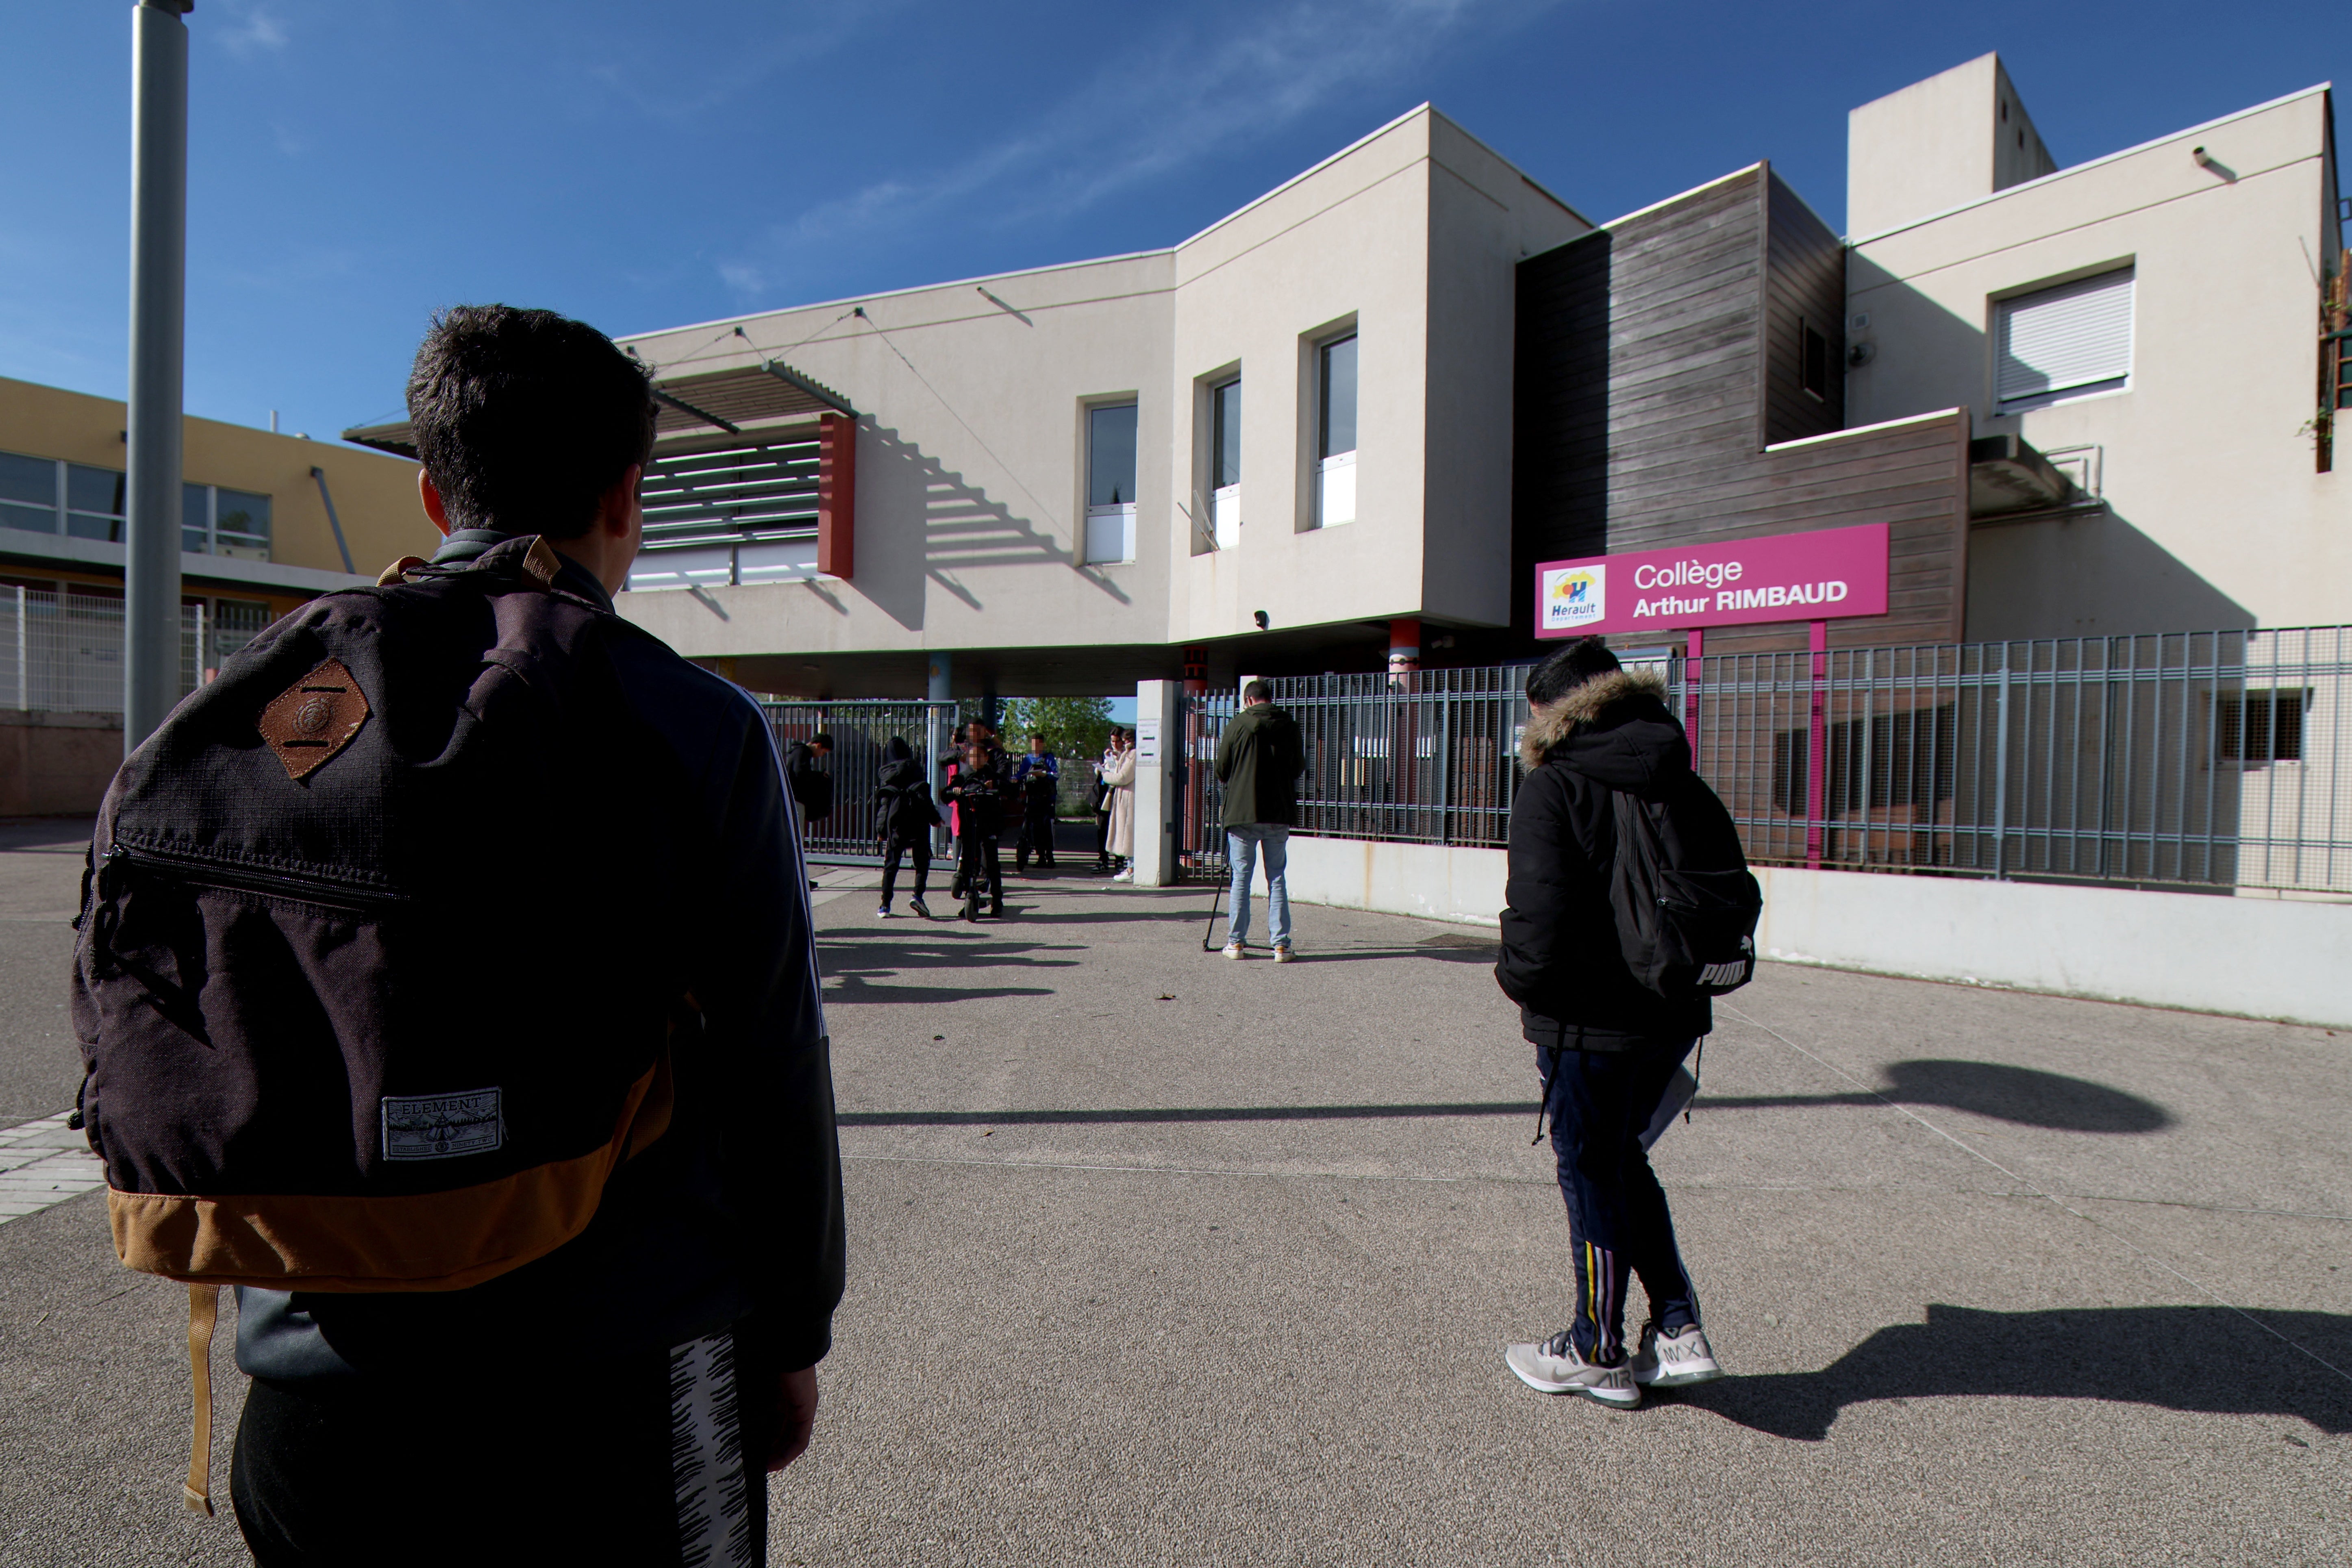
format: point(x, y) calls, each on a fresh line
point(62, 652)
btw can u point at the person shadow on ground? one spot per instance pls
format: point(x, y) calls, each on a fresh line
point(2209, 1361)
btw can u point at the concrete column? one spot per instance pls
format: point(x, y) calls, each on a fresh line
point(939, 687)
point(1158, 742)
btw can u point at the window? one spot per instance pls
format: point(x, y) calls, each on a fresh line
point(1334, 432)
point(1225, 461)
point(2063, 341)
point(1814, 366)
point(216, 521)
point(729, 515)
point(1111, 484)
point(93, 502)
point(46, 495)
point(2260, 727)
point(29, 493)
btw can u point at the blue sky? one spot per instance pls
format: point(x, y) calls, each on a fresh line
point(353, 166)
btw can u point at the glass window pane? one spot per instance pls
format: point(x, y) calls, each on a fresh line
point(96, 490)
point(195, 518)
point(1339, 397)
point(1226, 425)
point(33, 519)
point(1111, 454)
point(92, 525)
point(30, 479)
point(242, 519)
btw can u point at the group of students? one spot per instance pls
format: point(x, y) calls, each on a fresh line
point(601, 1212)
point(980, 790)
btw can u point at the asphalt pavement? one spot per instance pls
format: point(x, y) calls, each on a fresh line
point(1162, 1258)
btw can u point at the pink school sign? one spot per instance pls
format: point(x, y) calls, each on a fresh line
point(1816, 576)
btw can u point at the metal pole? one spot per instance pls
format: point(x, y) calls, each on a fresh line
point(24, 644)
point(2000, 774)
point(159, 230)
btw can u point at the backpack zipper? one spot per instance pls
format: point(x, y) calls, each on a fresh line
point(205, 872)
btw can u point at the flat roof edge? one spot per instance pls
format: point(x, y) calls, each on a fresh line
point(2152, 143)
point(1866, 429)
point(894, 293)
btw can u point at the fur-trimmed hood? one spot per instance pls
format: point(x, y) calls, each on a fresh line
point(1548, 723)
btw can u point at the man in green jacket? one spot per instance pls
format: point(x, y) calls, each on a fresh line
point(1259, 760)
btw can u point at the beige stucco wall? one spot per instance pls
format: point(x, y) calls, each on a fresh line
point(1485, 218)
point(1347, 240)
point(1958, 135)
point(2216, 515)
point(970, 466)
point(375, 494)
point(971, 459)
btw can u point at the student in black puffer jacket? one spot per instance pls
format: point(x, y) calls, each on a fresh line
point(904, 817)
point(1607, 1048)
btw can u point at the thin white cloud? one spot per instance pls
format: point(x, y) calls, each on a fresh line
point(1192, 92)
point(253, 28)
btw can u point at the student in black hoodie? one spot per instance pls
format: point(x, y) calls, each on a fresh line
point(978, 791)
point(904, 817)
point(1607, 1048)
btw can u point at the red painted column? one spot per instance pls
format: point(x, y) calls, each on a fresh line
point(1817, 757)
point(1196, 672)
point(1404, 645)
point(836, 495)
point(1693, 676)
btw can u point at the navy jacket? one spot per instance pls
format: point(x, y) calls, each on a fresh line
point(736, 1213)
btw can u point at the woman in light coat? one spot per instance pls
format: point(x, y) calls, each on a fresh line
point(1120, 777)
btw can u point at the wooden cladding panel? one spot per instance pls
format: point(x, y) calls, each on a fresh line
point(1658, 358)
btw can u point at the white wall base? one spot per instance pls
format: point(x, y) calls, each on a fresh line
point(1429, 880)
point(2259, 958)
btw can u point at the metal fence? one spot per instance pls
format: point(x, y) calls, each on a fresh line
point(1423, 758)
point(2210, 759)
point(860, 730)
point(63, 651)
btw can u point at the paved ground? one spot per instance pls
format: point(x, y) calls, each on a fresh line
point(1160, 1258)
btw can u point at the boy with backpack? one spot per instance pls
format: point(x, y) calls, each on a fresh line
point(904, 817)
point(1629, 906)
point(445, 984)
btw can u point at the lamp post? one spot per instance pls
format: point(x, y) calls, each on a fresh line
point(159, 243)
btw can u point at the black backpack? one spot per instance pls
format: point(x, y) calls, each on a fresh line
point(344, 986)
point(1686, 905)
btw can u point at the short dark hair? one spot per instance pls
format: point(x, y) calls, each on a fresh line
point(1569, 669)
point(821, 741)
point(524, 418)
point(1036, 734)
point(1257, 691)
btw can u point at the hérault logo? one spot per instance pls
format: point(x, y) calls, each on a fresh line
point(1575, 596)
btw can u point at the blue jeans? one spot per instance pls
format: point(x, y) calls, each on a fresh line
point(1241, 853)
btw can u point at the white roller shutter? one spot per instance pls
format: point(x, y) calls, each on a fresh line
point(2059, 340)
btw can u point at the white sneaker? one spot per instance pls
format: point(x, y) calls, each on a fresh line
point(1670, 1360)
point(1236, 950)
point(1554, 1367)
point(1126, 875)
point(1282, 953)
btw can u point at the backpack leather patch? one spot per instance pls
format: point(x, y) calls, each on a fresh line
point(312, 720)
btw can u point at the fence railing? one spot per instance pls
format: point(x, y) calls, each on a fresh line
point(2209, 759)
point(62, 652)
point(860, 730)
